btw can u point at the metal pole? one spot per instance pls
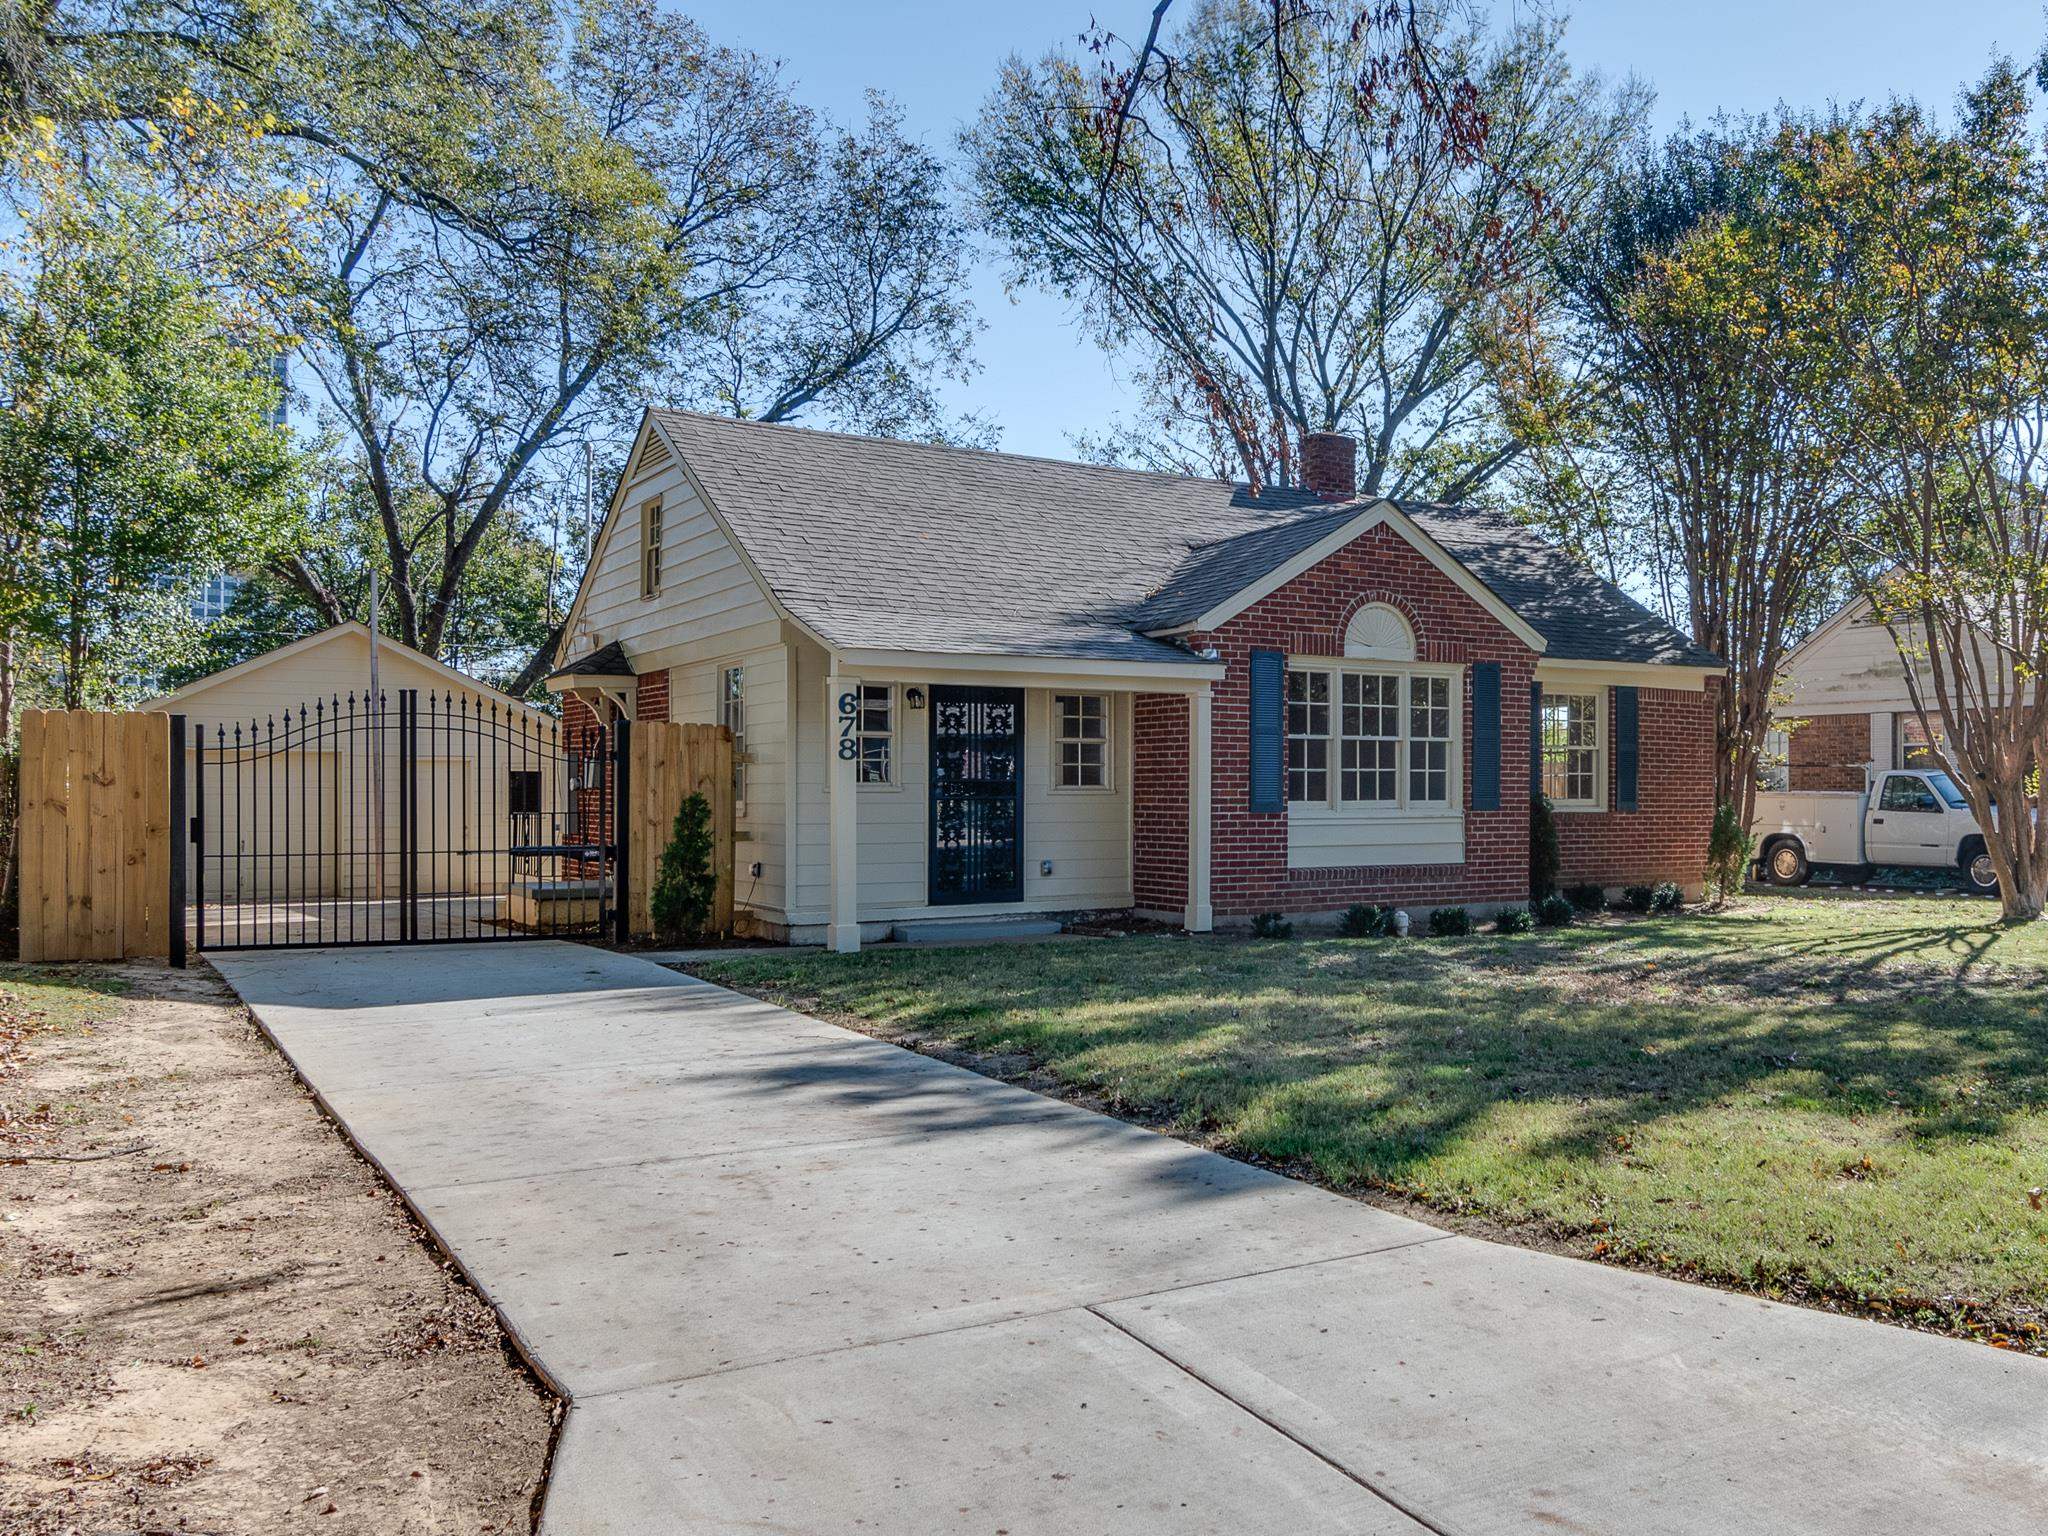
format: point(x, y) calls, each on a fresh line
point(622, 844)
point(179, 833)
point(376, 745)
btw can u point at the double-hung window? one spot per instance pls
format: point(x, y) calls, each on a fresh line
point(1573, 774)
point(1081, 740)
point(1392, 732)
point(650, 548)
point(876, 733)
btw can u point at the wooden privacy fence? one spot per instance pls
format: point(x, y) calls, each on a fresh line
point(95, 835)
point(666, 762)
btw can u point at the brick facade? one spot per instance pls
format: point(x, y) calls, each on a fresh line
point(1828, 752)
point(1665, 837)
point(650, 701)
point(1249, 873)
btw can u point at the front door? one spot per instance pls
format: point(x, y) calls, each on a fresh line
point(977, 810)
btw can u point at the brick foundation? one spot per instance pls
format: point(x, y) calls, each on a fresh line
point(1828, 752)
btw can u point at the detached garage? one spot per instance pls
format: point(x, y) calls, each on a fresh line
point(301, 786)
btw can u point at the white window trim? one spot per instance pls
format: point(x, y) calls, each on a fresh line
point(1603, 708)
point(894, 783)
point(739, 747)
point(1334, 807)
point(652, 515)
point(1054, 741)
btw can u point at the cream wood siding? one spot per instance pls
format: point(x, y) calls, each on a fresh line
point(1086, 833)
point(1853, 668)
point(709, 604)
point(1325, 839)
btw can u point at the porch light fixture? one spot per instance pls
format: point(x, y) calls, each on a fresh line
point(1209, 653)
point(913, 698)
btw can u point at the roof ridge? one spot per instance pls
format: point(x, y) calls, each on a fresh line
point(955, 449)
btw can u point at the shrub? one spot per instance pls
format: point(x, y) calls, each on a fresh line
point(1666, 898)
point(1729, 847)
point(1271, 925)
point(1553, 911)
point(1449, 923)
point(1362, 920)
point(1545, 857)
point(1639, 898)
point(1514, 920)
point(685, 882)
point(1587, 898)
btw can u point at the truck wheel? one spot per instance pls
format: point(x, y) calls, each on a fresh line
point(1979, 873)
point(1785, 864)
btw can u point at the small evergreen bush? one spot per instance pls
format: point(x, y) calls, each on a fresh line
point(1271, 925)
point(1546, 858)
point(1639, 898)
point(1449, 923)
point(685, 882)
point(1587, 898)
point(1667, 897)
point(1553, 911)
point(1362, 920)
point(1729, 848)
point(1514, 920)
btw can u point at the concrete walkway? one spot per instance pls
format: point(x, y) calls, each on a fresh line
point(797, 1280)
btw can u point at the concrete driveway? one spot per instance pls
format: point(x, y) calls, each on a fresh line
point(796, 1280)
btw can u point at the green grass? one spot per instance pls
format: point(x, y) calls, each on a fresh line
point(1833, 1098)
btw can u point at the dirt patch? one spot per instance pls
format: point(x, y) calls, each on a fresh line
point(235, 1328)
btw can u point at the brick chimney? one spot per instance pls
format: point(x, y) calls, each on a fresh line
point(1329, 465)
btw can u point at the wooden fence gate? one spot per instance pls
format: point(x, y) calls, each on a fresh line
point(95, 836)
point(669, 761)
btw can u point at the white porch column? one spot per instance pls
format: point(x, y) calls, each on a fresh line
point(1201, 917)
point(842, 931)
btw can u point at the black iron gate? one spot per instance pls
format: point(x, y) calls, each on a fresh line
point(415, 818)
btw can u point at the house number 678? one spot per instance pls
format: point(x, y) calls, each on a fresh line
point(849, 715)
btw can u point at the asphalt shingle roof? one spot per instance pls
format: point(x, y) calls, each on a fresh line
point(886, 545)
point(605, 661)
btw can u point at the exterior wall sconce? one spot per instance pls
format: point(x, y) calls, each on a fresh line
point(913, 698)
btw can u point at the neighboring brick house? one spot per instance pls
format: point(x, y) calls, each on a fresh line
point(970, 684)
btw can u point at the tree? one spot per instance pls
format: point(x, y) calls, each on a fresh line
point(1296, 219)
point(1682, 419)
point(1937, 301)
point(138, 452)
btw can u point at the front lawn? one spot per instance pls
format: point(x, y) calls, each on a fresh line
point(1838, 1099)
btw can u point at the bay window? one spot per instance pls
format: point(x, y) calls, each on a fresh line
point(1393, 734)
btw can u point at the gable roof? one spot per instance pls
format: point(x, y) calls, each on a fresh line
point(872, 543)
point(299, 647)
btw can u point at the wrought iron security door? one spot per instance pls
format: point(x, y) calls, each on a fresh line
point(977, 810)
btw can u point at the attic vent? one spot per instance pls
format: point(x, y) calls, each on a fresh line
point(655, 453)
point(1377, 632)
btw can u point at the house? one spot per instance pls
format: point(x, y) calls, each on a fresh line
point(1848, 708)
point(301, 775)
point(975, 684)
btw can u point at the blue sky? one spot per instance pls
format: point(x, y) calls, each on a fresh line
point(1041, 381)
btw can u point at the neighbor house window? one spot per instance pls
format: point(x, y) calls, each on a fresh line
point(1081, 740)
point(522, 789)
point(1915, 747)
point(1308, 737)
point(1394, 733)
point(876, 733)
point(732, 714)
point(1571, 750)
point(650, 548)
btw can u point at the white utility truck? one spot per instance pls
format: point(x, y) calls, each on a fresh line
point(1913, 817)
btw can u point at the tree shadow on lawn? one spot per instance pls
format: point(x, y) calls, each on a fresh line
point(1372, 1058)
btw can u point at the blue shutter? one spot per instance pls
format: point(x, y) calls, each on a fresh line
point(1535, 740)
point(1625, 754)
point(1269, 722)
point(1486, 736)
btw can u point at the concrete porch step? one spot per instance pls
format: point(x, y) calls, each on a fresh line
point(965, 930)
